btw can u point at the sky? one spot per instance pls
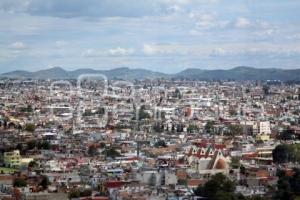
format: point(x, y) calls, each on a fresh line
point(160, 35)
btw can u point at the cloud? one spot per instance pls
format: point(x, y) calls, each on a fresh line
point(205, 21)
point(118, 51)
point(97, 8)
point(121, 51)
point(163, 49)
point(242, 22)
point(87, 8)
point(150, 49)
point(146, 33)
point(18, 45)
point(91, 53)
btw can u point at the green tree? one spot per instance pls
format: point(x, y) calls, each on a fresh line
point(287, 134)
point(86, 193)
point(43, 145)
point(21, 148)
point(19, 182)
point(177, 94)
point(209, 127)
point(33, 164)
point(143, 115)
point(266, 90)
point(235, 162)
point(284, 190)
point(111, 152)
point(158, 127)
point(192, 128)
point(160, 143)
point(30, 127)
point(92, 150)
point(243, 169)
point(44, 182)
point(280, 154)
point(233, 130)
point(219, 187)
point(74, 194)
point(31, 144)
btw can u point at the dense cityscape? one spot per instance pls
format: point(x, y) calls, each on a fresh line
point(94, 138)
point(149, 100)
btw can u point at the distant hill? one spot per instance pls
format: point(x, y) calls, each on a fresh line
point(238, 73)
point(59, 73)
point(241, 73)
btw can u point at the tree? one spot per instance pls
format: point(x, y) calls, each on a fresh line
point(43, 145)
point(85, 193)
point(232, 112)
point(31, 144)
point(143, 115)
point(266, 90)
point(80, 193)
point(209, 127)
point(19, 182)
point(74, 194)
point(234, 130)
point(92, 151)
point(160, 143)
point(179, 127)
point(235, 162)
point(280, 154)
point(242, 170)
point(21, 148)
point(27, 109)
point(219, 187)
point(192, 128)
point(111, 152)
point(284, 189)
point(158, 127)
point(33, 164)
point(287, 134)
point(101, 111)
point(30, 127)
point(45, 182)
point(177, 94)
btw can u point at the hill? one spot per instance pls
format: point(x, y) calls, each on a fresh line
point(237, 73)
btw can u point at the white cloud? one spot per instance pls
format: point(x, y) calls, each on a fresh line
point(91, 53)
point(110, 52)
point(163, 49)
point(242, 22)
point(121, 51)
point(150, 49)
point(205, 21)
point(18, 45)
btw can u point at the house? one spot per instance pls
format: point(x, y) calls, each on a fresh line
point(209, 159)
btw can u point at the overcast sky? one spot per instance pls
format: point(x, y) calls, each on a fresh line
point(161, 35)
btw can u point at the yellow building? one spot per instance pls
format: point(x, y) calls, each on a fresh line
point(12, 159)
point(263, 137)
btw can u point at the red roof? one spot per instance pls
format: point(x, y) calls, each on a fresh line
point(114, 184)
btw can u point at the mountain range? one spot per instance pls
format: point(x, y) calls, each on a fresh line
point(237, 73)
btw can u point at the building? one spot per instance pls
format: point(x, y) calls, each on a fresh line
point(12, 159)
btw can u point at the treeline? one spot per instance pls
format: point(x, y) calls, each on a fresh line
point(286, 153)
